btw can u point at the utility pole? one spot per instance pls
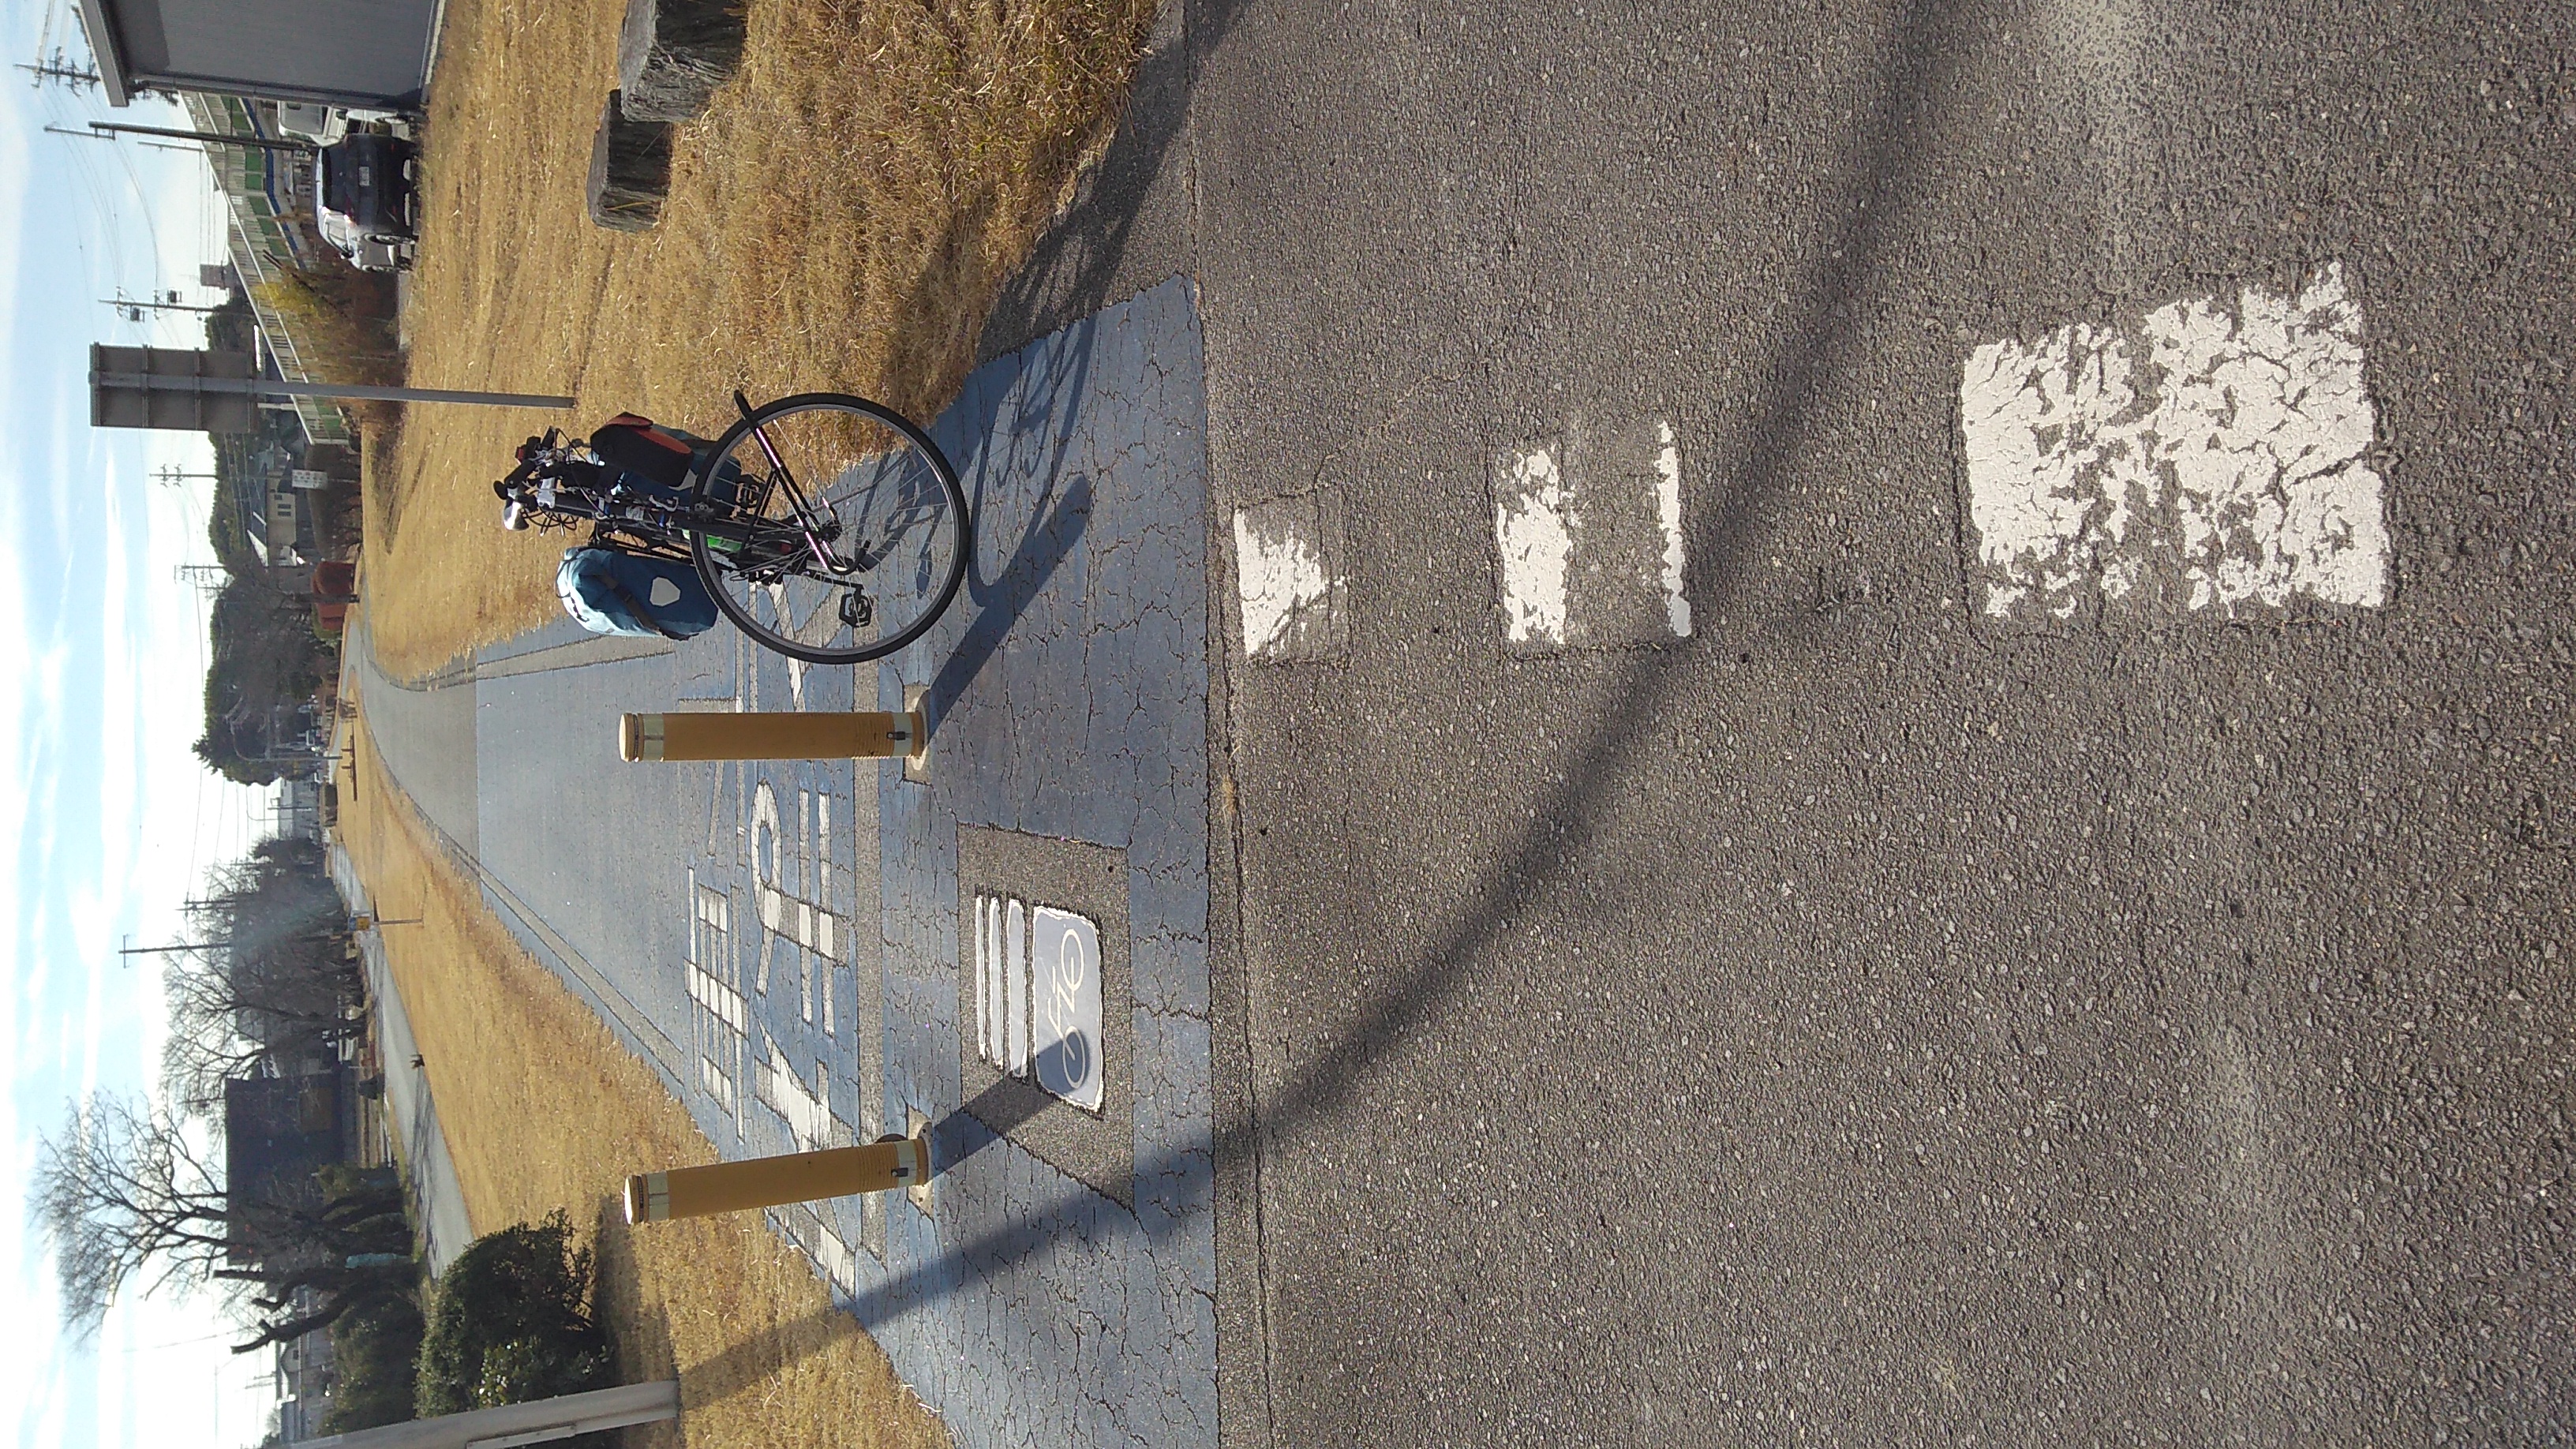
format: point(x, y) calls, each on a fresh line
point(209, 578)
point(95, 136)
point(275, 387)
point(71, 77)
point(134, 310)
point(172, 476)
point(216, 138)
point(170, 949)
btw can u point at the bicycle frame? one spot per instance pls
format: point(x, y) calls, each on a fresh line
point(805, 524)
point(830, 560)
point(764, 539)
point(661, 528)
point(664, 527)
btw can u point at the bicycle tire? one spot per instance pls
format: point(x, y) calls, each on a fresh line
point(935, 587)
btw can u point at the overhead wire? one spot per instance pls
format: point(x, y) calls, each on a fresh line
point(117, 188)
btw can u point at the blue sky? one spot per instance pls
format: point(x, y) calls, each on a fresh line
point(106, 820)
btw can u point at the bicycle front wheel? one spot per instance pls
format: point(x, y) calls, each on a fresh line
point(857, 533)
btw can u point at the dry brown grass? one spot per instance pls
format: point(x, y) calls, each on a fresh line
point(543, 1109)
point(840, 220)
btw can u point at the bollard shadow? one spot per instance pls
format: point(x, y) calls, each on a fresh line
point(751, 1363)
point(997, 1111)
point(643, 1330)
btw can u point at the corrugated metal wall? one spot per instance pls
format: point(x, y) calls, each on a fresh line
point(376, 48)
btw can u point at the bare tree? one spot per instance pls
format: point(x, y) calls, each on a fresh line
point(245, 1013)
point(121, 1192)
point(336, 1289)
point(277, 985)
point(279, 890)
point(123, 1195)
point(132, 1194)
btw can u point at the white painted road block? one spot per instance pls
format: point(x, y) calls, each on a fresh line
point(1037, 1007)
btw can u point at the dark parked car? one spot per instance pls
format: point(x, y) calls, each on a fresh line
point(368, 194)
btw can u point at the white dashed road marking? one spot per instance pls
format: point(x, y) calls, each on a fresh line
point(1535, 540)
point(1588, 540)
point(1668, 518)
point(1288, 569)
point(2209, 455)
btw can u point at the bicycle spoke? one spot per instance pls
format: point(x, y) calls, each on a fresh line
point(860, 536)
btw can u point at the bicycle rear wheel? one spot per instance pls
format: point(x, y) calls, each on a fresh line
point(859, 528)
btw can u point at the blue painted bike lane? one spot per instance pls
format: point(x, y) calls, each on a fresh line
point(783, 941)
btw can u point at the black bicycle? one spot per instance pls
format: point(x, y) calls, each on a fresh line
point(826, 526)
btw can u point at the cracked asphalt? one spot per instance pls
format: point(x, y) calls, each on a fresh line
point(1860, 1022)
point(782, 942)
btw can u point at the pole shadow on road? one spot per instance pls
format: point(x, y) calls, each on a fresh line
point(1916, 61)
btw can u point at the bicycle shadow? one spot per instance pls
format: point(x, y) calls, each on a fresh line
point(1044, 415)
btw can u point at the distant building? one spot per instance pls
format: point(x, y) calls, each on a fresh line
point(307, 1377)
point(299, 808)
point(283, 522)
point(368, 55)
point(300, 1418)
point(281, 515)
point(278, 1132)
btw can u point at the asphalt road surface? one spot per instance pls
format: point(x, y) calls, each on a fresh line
point(2003, 977)
point(1887, 717)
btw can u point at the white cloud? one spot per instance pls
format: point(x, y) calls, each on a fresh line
point(102, 816)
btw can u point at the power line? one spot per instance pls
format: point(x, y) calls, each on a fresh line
point(98, 175)
point(101, 136)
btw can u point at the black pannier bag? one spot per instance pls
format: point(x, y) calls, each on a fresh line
point(655, 460)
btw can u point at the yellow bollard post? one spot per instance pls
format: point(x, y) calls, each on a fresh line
point(759, 1182)
point(867, 735)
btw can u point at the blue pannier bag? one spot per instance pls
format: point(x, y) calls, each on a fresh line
point(623, 593)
